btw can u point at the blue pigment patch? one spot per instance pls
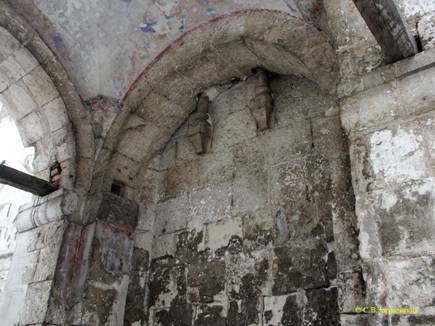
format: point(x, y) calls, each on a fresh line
point(148, 27)
point(281, 223)
point(119, 90)
point(211, 12)
point(126, 1)
point(205, 2)
point(57, 40)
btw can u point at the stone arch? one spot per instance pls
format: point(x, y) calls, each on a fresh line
point(31, 98)
point(157, 106)
point(49, 114)
point(79, 118)
point(215, 52)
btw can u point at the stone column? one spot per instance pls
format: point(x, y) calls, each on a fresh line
point(93, 271)
point(391, 127)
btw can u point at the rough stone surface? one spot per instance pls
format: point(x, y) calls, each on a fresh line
point(260, 229)
point(284, 218)
point(392, 166)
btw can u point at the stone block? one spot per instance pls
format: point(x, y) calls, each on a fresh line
point(26, 60)
point(247, 278)
point(144, 240)
point(218, 235)
point(164, 245)
point(167, 283)
point(123, 168)
point(178, 89)
point(414, 92)
point(410, 282)
point(207, 69)
point(55, 113)
point(47, 262)
point(288, 143)
point(12, 69)
point(366, 110)
point(292, 202)
point(161, 112)
point(184, 151)
point(207, 275)
point(150, 186)
point(288, 184)
point(300, 265)
point(118, 211)
point(278, 59)
point(406, 219)
point(216, 168)
point(65, 151)
point(137, 141)
point(396, 156)
point(210, 204)
point(18, 101)
point(181, 179)
point(45, 236)
point(229, 99)
point(172, 215)
point(249, 193)
point(111, 254)
point(36, 304)
point(73, 263)
point(112, 295)
point(329, 138)
point(146, 217)
point(237, 55)
point(32, 128)
point(23, 269)
point(297, 98)
point(42, 214)
point(140, 261)
point(40, 86)
point(258, 229)
point(251, 156)
point(10, 44)
point(235, 129)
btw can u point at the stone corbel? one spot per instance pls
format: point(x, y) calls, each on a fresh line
point(261, 105)
point(200, 128)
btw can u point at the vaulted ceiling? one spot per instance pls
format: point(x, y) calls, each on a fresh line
point(105, 44)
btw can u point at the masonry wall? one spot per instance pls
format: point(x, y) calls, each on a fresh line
point(391, 131)
point(246, 233)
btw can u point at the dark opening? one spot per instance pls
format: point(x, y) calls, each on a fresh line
point(117, 188)
point(419, 44)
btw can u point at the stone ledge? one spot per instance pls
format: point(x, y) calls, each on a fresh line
point(398, 70)
point(37, 213)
